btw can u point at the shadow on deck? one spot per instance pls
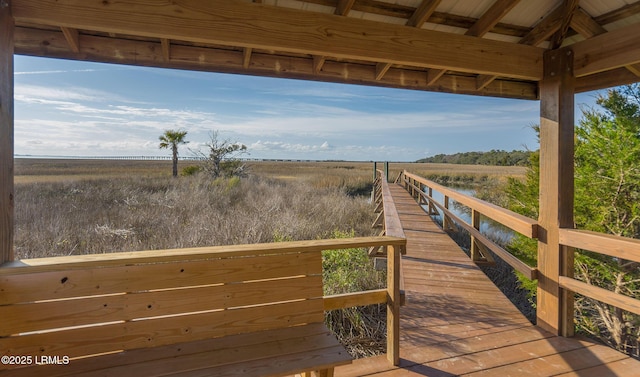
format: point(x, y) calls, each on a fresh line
point(457, 322)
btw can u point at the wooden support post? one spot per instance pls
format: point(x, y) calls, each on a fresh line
point(432, 210)
point(386, 171)
point(446, 221)
point(475, 248)
point(555, 306)
point(393, 305)
point(6, 132)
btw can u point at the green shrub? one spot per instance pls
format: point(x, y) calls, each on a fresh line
point(190, 170)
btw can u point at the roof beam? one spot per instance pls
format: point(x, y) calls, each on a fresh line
point(419, 17)
point(609, 79)
point(585, 25)
point(619, 14)
point(568, 9)
point(52, 44)
point(491, 17)
point(344, 7)
point(71, 35)
point(423, 12)
point(288, 30)
point(545, 28)
point(485, 23)
point(607, 51)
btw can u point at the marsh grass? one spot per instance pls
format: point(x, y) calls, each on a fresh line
point(128, 214)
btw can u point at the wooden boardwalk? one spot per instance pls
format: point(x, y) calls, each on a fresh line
point(457, 323)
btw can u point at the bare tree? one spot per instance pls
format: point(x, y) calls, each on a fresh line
point(221, 158)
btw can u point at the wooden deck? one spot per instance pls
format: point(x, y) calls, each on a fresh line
point(456, 322)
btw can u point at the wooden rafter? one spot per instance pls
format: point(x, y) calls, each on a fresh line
point(166, 49)
point(318, 62)
point(293, 31)
point(72, 37)
point(544, 29)
point(569, 7)
point(344, 7)
point(619, 14)
point(419, 17)
point(423, 12)
point(491, 17)
point(246, 57)
point(586, 26)
point(381, 69)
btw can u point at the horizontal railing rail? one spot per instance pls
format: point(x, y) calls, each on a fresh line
point(417, 185)
point(614, 246)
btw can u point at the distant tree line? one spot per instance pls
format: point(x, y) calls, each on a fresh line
point(493, 157)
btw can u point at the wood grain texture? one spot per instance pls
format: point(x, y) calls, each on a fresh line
point(47, 315)
point(607, 51)
point(123, 51)
point(623, 302)
point(347, 300)
point(6, 134)
point(556, 187)
point(163, 331)
point(99, 281)
point(246, 25)
point(619, 247)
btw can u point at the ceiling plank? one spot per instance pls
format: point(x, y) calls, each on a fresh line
point(491, 17)
point(52, 44)
point(289, 30)
point(619, 14)
point(72, 38)
point(344, 7)
point(423, 12)
point(166, 49)
point(585, 25)
point(569, 7)
point(607, 51)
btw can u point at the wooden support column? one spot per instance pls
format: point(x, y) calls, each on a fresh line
point(555, 307)
point(6, 132)
point(475, 247)
point(393, 305)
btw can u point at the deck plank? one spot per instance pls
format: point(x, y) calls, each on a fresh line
point(457, 322)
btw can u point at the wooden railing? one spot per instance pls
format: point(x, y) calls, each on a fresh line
point(422, 189)
point(619, 247)
point(26, 273)
point(570, 239)
point(391, 227)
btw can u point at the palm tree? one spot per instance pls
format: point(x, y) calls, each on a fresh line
point(173, 138)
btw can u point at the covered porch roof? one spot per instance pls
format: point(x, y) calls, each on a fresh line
point(543, 49)
point(485, 47)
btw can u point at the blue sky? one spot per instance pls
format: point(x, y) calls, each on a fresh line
point(68, 108)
